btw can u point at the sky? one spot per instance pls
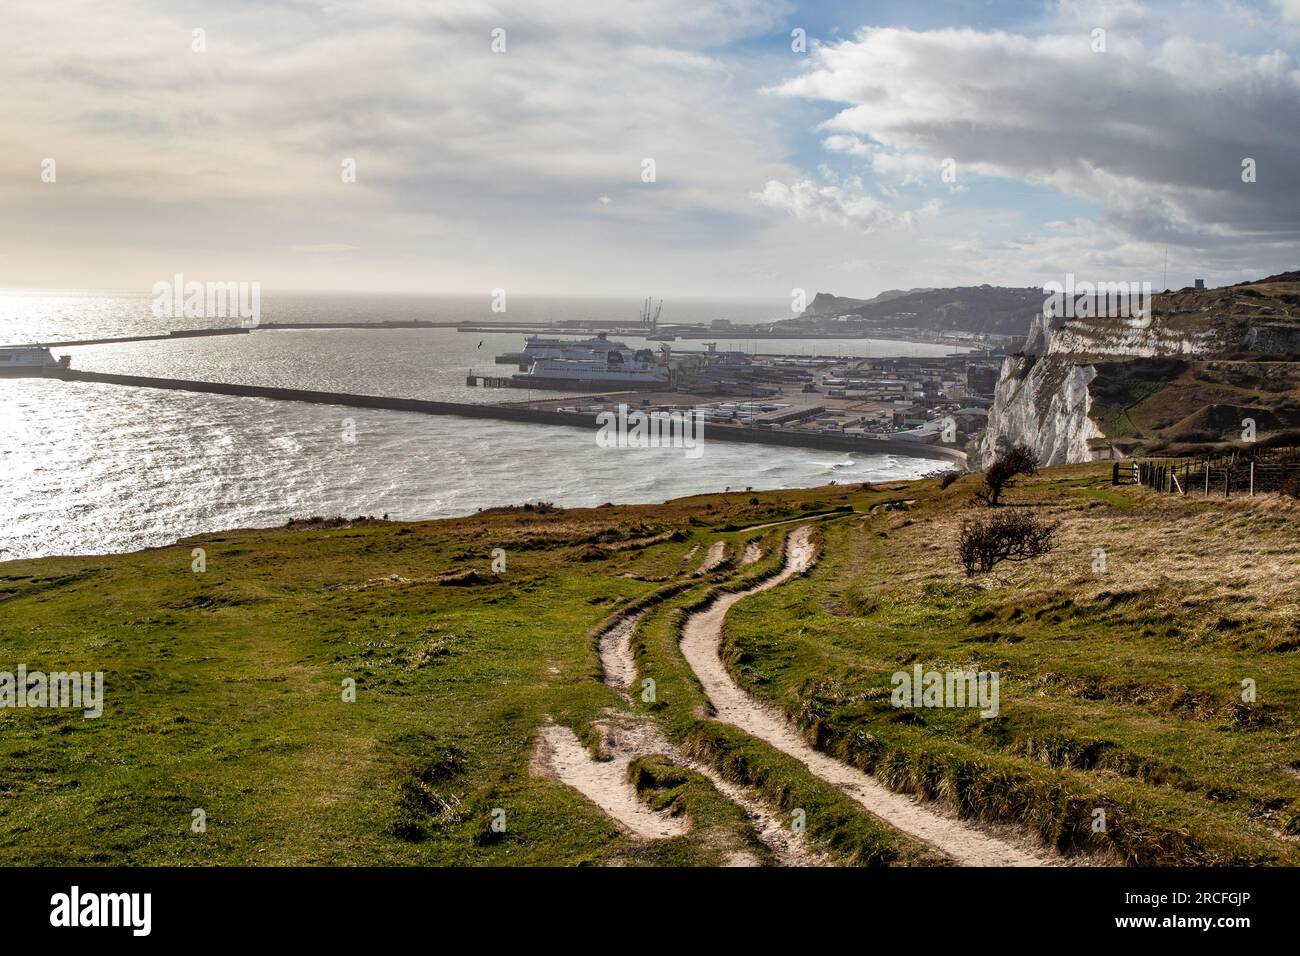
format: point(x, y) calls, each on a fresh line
point(837, 147)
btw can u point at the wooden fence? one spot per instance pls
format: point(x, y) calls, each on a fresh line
point(1239, 473)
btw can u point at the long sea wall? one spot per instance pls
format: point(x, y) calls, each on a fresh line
point(512, 413)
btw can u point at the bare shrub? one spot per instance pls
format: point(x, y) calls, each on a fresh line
point(1005, 536)
point(1013, 461)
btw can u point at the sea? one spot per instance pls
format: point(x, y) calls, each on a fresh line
point(88, 468)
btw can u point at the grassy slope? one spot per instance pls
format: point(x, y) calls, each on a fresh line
point(1120, 690)
point(224, 688)
point(1169, 403)
point(224, 691)
point(1173, 401)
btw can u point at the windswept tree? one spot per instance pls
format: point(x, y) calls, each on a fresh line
point(1012, 535)
point(1011, 462)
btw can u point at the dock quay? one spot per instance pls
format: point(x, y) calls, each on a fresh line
point(514, 413)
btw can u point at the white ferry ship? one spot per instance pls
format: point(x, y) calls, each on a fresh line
point(23, 359)
point(587, 363)
point(536, 347)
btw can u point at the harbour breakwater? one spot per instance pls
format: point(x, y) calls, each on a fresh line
point(512, 413)
point(245, 330)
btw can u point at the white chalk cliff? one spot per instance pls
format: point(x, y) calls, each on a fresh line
point(1042, 398)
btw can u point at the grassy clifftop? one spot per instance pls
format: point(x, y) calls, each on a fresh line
point(1168, 404)
point(1122, 688)
point(224, 689)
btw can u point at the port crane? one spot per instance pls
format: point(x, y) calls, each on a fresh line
point(650, 320)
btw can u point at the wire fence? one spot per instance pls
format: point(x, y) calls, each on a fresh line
point(1238, 473)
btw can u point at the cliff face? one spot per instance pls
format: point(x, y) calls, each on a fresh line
point(1042, 401)
point(1043, 397)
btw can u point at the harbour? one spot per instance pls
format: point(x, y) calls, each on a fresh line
point(540, 414)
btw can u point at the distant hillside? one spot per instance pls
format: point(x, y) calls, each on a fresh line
point(1208, 361)
point(982, 309)
point(824, 303)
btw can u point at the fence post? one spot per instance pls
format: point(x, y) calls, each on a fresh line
point(1252, 478)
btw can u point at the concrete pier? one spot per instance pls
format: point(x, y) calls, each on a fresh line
point(510, 413)
point(244, 330)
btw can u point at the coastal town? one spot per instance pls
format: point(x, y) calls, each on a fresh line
point(939, 400)
point(931, 400)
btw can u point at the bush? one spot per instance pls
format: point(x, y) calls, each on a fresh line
point(1013, 461)
point(947, 478)
point(1291, 485)
point(1007, 536)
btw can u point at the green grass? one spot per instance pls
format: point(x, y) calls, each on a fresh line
point(224, 689)
point(1119, 690)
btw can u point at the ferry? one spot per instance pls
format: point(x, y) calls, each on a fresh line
point(591, 363)
point(536, 347)
point(24, 359)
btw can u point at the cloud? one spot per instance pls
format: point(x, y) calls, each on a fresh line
point(851, 145)
point(842, 202)
point(322, 248)
point(461, 153)
point(834, 204)
point(523, 169)
point(1156, 135)
point(1290, 9)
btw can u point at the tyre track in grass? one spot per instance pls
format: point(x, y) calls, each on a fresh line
point(626, 736)
point(701, 646)
point(639, 736)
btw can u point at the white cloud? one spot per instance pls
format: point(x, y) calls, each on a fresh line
point(1154, 134)
point(323, 248)
point(474, 159)
point(1290, 9)
point(476, 169)
point(839, 143)
point(834, 204)
point(842, 202)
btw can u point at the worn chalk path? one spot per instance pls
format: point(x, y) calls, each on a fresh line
point(716, 554)
point(604, 782)
point(701, 643)
point(638, 736)
point(628, 736)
